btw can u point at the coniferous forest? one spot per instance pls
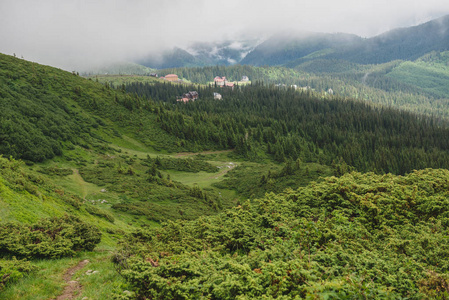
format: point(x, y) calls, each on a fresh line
point(261, 120)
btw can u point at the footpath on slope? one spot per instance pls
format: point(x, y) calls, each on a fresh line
point(73, 287)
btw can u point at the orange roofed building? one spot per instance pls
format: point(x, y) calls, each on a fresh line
point(171, 77)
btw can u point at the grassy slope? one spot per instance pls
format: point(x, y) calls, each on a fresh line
point(28, 193)
point(430, 73)
point(123, 143)
point(118, 80)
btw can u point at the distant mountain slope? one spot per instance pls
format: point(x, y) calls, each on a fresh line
point(222, 53)
point(403, 43)
point(176, 57)
point(430, 73)
point(202, 54)
point(290, 48)
point(286, 47)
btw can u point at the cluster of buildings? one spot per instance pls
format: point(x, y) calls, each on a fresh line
point(190, 96)
point(222, 81)
point(193, 95)
point(171, 77)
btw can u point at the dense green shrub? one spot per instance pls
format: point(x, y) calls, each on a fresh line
point(53, 237)
point(56, 171)
point(12, 270)
point(360, 236)
point(180, 164)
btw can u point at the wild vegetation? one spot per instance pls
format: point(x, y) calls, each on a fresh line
point(275, 205)
point(358, 236)
point(286, 124)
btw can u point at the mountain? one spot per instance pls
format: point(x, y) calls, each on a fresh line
point(292, 49)
point(173, 58)
point(222, 53)
point(403, 43)
point(285, 47)
point(202, 54)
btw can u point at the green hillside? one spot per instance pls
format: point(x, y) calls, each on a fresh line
point(121, 68)
point(147, 197)
point(360, 236)
point(408, 44)
point(284, 47)
point(430, 73)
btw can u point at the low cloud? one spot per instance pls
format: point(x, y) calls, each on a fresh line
point(79, 34)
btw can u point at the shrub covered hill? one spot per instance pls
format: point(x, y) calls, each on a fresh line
point(360, 236)
point(87, 166)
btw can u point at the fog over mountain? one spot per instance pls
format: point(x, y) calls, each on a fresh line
point(76, 35)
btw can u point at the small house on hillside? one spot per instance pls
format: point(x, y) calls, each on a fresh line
point(220, 81)
point(171, 77)
point(153, 75)
point(245, 79)
point(192, 95)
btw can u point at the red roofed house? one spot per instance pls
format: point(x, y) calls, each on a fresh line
point(190, 96)
point(220, 81)
point(171, 77)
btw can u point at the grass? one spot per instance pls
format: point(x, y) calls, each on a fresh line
point(48, 283)
point(118, 80)
point(203, 179)
point(43, 284)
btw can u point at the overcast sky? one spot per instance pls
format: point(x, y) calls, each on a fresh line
point(74, 34)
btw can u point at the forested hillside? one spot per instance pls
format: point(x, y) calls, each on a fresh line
point(46, 110)
point(399, 44)
point(287, 46)
point(287, 124)
point(99, 172)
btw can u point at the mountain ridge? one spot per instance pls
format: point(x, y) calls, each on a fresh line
point(292, 48)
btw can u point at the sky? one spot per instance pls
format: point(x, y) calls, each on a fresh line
point(79, 34)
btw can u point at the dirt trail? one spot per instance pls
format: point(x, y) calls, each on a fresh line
point(73, 287)
point(226, 168)
point(182, 154)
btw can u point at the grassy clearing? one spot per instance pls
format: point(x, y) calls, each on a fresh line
point(203, 179)
point(118, 80)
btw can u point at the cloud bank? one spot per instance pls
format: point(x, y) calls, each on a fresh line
point(78, 34)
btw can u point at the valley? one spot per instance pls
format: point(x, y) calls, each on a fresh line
point(323, 175)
